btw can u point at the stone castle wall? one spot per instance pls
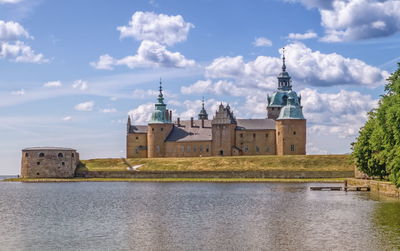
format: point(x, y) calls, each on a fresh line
point(291, 137)
point(256, 142)
point(188, 149)
point(49, 163)
point(156, 136)
point(136, 145)
point(223, 139)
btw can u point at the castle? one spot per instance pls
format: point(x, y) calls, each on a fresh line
point(283, 132)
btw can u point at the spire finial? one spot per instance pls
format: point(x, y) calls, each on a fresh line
point(283, 60)
point(160, 96)
point(202, 102)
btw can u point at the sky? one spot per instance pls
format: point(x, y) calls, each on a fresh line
point(72, 71)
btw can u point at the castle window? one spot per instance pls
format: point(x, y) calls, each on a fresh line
point(41, 155)
point(257, 149)
point(246, 149)
point(137, 138)
point(188, 148)
point(38, 163)
point(182, 148)
point(254, 135)
point(162, 129)
point(26, 154)
point(279, 133)
point(267, 149)
point(292, 148)
point(137, 150)
point(294, 133)
point(73, 155)
point(158, 149)
point(194, 148)
point(207, 149)
point(152, 129)
point(201, 148)
point(241, 135)
point(60, 155)
point(63, 163)
point(37, 173)
point(266, 135)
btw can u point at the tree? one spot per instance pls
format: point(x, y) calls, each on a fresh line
point(377, 148)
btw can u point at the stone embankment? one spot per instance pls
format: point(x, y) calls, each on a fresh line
point(272, 174)
point(380, 187)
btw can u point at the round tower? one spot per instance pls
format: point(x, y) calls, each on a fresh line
point(291, 129)
point(159, 127)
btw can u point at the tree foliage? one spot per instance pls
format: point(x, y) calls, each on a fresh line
point(376, 151)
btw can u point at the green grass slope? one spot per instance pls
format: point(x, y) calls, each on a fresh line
point(240, 163)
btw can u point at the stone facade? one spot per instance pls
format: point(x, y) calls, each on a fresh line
point(49, 162)
point(283, 132)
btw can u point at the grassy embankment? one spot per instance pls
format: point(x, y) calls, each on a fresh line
point(241, 163)
point(212, 180)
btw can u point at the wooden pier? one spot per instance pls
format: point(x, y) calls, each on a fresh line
point(346, 189)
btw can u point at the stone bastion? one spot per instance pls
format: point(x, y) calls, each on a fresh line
point(49, 162)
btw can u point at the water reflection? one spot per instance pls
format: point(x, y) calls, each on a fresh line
point(198, 216)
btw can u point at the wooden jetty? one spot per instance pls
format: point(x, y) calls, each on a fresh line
point(346, 189)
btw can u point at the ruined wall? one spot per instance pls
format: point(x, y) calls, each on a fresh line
point(49, 163)
point(188, 149)
point(256, 142)
point(136, 145)
point(291, 137)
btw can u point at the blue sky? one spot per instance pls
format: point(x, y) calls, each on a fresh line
point(72, 71)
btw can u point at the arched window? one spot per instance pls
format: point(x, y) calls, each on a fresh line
point(41, 155)
point(60, 155)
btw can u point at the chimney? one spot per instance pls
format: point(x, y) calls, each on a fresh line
point(178, 121)
point(191, 122)
point(202, 122)
point(170, 115)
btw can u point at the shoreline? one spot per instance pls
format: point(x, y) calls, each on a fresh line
point(172, 180)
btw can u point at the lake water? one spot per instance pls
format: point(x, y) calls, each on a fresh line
point(193, 216)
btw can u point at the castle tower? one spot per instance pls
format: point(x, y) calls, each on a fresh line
point(291, 129)
point(223, 131)
point(203, 113)
point(159, 127)
point(279, 98)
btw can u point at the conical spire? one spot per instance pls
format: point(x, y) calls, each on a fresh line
point(160, 96)
point(203, 113)
point(283, 60)
point(284, 82)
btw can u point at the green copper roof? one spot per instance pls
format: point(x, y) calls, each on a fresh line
point(292, 110)
point(280, 98)
point(160, 114)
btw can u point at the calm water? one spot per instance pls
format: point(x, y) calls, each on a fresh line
point(192, 216)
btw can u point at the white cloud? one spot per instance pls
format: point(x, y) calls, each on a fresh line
point(12, 31)
point(346, 20)
point(221, 87)
point(109, 110)
point(302, 36)
point(18, 93)
point(9, 1)
point(262, 42)
point(19, 52)
point(142, 114)
point(341, 114)
point(52, 84)
point(85, 106)
point(149, 54)
point(80, 84)
point(67, 118)
point(305, 66)
point(160, 28)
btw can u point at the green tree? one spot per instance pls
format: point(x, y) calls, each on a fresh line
point(377, 148)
